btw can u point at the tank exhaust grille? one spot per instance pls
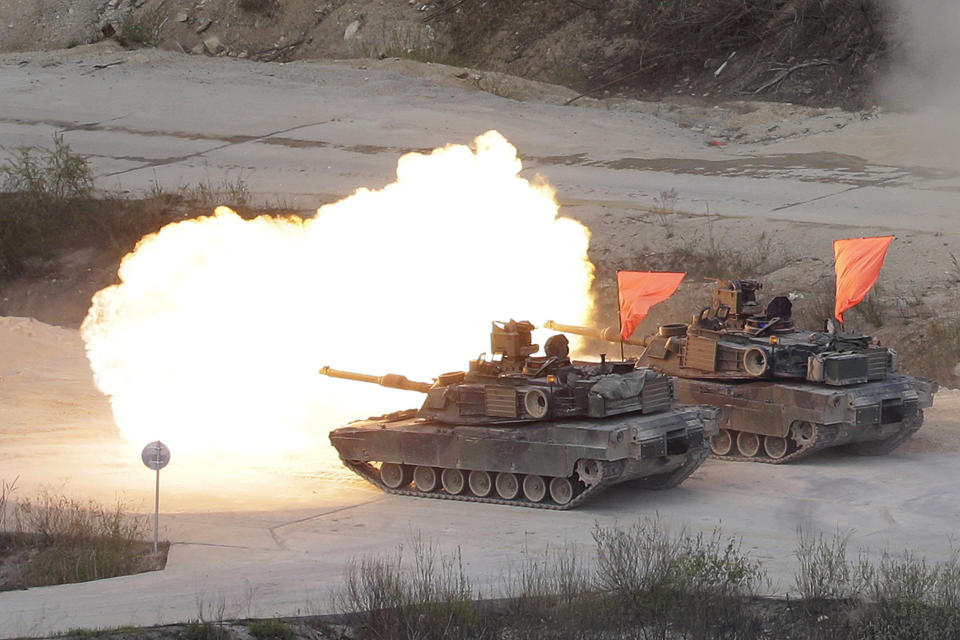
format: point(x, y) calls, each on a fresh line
point(700, 353)
point(656, 395)
point(877, 364)
point(500, 402)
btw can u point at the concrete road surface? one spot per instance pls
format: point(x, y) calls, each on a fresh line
point(307, 133)
point(260, 563)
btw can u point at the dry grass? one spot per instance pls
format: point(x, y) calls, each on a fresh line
point(646, 581)
point(422, 594)
point(142, 27)
point(49, 206)
point(934, 349)
point(53, 539)
point(702, 254)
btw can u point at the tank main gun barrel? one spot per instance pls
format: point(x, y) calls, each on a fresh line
point(392, 380)
point(608, 334)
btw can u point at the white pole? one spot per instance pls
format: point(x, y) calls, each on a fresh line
point(156, 509)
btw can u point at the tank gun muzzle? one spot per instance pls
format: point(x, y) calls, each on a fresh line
point(608, 334)
point(391, 380)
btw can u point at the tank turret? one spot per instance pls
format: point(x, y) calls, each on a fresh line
point(784, 391)
point(737, 339)
point(519, 387)
point(529, 430)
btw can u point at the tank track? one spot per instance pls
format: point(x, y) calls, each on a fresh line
point(824, 435)
point(675, 477)
point(883, 447)
point(611, 471)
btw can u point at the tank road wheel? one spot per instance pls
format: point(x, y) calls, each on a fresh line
point(802, 433)
point(534, 488)
point(426, 479)
point(775, 447)
point(722, 443)
point(748, 444)
point(480, 483)
point(561, 490)
point(395, 476)
point(508, 487)
point(453, 481)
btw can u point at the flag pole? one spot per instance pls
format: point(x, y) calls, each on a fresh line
point(620, 318)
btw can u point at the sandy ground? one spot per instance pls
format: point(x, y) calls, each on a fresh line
point(267, 536)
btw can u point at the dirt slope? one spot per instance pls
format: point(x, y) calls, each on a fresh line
point(823, 52)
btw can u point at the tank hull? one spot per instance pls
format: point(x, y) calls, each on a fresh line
point(657, 450)
point(784, 421)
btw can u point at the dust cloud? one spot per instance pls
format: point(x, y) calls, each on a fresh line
point(924, 78)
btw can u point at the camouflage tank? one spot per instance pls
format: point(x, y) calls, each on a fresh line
point(541, 432)
point(783, 392)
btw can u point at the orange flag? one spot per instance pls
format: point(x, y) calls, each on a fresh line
point(640, 290)
point(857, 262)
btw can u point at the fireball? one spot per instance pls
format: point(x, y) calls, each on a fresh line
point(213, 338)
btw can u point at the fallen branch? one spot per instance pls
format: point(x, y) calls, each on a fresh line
point(273, 53)
point(652, 64)
point(108, 64)
point(445, 10)
point(786, 72)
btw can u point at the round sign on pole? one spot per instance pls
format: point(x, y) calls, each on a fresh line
point(155, 455)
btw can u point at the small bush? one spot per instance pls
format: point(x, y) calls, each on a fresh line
point(44, 175)
point(201, 630)
point(142, 28)
point(270, 630)
point(676, 581)
point(429, 597)
point(823, 570)
point(48, 191)
point(909, 598)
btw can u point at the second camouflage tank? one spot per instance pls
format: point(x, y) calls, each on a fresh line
point(783, 392)
point(542, 432)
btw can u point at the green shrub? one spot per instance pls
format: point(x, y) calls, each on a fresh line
point(201, 630)
point(142, 28)
point(823, 570)
point(676, 581)
point(270, 630)
point(429, 597)
point(47, 191)
point(44, 175)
